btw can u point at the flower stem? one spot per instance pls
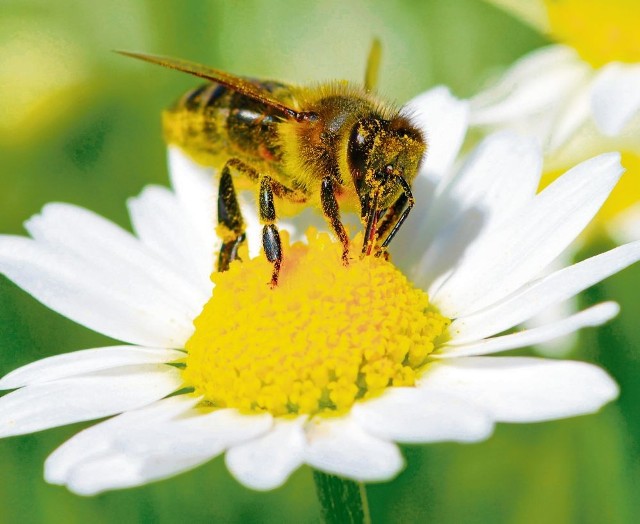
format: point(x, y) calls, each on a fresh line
point(343, 501)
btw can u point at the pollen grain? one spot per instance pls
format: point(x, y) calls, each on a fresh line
point(327, 336)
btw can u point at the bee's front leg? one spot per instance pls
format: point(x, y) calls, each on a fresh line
point(331, 212)
point(231, 227)
point(396, 215)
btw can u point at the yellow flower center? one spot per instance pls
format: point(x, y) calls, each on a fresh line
point(601, 31)
point(325, 337)
point(625, 194)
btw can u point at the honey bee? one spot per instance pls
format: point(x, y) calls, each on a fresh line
point(333, 145)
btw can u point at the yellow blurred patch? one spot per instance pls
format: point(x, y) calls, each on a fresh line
point(41, 73)
point(601, 31)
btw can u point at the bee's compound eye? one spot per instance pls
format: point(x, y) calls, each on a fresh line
point(361, 142)
point(310, 116)
point(306, 116)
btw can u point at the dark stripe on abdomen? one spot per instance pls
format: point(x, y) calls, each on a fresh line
point(215, 93)
point(193, 99)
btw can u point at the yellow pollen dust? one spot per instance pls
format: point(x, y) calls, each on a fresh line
point(326, 336)
point(600, 30)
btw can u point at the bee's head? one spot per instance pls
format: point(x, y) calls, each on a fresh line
point(379, 153)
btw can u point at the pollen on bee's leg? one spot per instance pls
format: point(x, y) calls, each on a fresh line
point(382, 253)
point(325, 337)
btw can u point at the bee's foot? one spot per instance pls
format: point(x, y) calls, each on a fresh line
point(382, 252)
point(274, 276)
point(367, 248)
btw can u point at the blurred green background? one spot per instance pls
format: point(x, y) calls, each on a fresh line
point(80, 124)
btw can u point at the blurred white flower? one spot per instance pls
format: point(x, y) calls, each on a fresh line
point(578, 98)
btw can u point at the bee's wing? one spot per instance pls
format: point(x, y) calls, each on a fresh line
point(236, 83)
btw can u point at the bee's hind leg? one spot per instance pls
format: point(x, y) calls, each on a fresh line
point(231, 226)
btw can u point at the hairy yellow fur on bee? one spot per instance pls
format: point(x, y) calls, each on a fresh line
point(341, 103)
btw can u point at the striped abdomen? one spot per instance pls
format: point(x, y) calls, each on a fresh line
point(213, 123)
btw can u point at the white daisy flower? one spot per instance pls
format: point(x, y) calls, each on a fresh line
point(334, 366)
point(578, 98)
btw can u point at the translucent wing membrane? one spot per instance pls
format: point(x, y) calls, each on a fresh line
point(236, 83)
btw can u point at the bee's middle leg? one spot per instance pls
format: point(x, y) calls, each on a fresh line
point(331, 212)
point(270, 234)
point(231, 226)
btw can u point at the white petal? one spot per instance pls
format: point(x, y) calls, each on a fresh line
point(120, 258)
point(161, 224)
point(75, 289)
point(498, 178)
point(416, 415)
point(520, 389)
point(197, 190)
point(158, 221)
point(594, 316)
point(574, 113)
point(143, 446)
point(501, 175)
point(443, 119)
point(267, 461)
point(249, 206)
point(341, 447)
point(560, 347)
point(196, 187)
point(537, 82)
point(541, 294)
point(616, 97)
point(96, 395)
point(563, 346)
point(516, 252)
point(95, 441)
point(408, 245)
point(85, 361)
